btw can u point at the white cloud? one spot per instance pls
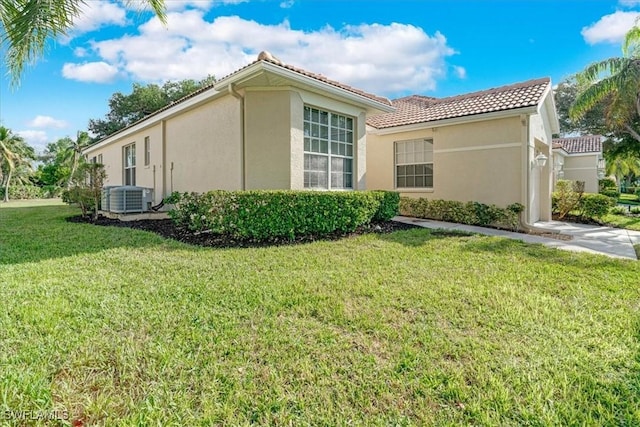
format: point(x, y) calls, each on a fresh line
point(80, 52)
point(629, 3)
point(384, 59)
point(95, 72)
point(286, 4)
point(38, 139)
point(461, 72)
point(97, 14)
point(610, 28)
point(47, 122)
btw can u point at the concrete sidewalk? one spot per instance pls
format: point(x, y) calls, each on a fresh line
point(613, 242)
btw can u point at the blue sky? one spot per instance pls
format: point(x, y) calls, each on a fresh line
point(388, 47)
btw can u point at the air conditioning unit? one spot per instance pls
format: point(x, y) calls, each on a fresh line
point(104, 200)
point(130, 199)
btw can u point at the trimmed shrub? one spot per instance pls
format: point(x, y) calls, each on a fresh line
point(567, 197)
point(262, 215)
point(610, 192)
point(595, 205)
point(472, 213)
point(637, 192)
point(631, 190)
point(606, 183)
point(388, 205)
point(634, 211)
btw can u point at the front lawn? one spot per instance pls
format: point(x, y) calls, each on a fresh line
point(121, 327)
point(622, 221)
point(628, 199)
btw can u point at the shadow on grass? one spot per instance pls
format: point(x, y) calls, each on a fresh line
point(419, 236)
point(36, 233)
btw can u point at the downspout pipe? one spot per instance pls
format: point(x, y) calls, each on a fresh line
point(232, 90)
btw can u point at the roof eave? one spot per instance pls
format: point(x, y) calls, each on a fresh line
point(454, 121)
point(303, 80)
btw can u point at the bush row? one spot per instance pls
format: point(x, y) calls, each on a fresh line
point(24, 192)
point(472, 213)
point(17, 192)
point(265, 215)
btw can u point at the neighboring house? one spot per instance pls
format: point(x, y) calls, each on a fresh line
point(487, 146)
point(273, 126)
point(266, 126)
point(579, 159)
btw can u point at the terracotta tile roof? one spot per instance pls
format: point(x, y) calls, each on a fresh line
point(420, 109)
point(267, 57)
point(579, 144)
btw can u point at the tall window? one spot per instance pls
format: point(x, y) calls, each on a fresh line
point(129, 153)
point(147, 151)
point(328, 150)
point(414, 163)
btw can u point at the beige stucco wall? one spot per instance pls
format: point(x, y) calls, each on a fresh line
point(478, 161)
point(274, 144)
point(539, 141)
point(582, 168)
point(146, 175)
point(268, 139)
point(200, 148)
point(203, 149)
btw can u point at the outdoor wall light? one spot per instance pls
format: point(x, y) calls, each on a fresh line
point(541, 160)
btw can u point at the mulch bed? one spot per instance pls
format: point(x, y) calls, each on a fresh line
point(166, 228)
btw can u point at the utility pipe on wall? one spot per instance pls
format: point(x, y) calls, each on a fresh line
point(232, 90)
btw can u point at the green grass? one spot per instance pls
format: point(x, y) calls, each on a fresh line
point(121, 327)
point(628, 199)
point(622, 221)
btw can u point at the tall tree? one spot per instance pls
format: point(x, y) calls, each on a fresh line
point(592, 122)
point(143, 100)
point(615, 84)
point(623, 167)
point(73, 154)
point(27, 25)
point(15, 155)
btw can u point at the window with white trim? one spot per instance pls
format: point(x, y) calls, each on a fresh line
point(147, 151)
point(129, 162)
point(414, 163)
point(328, 150)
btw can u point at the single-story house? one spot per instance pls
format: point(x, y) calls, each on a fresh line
point(490, 146)
point(579, 159)
point(266, 126)
point(270, 125)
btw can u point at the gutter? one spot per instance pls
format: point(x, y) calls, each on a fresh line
point(232, 90)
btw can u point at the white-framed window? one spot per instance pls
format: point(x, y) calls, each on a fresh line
point(97, 159)
point(328, 150)
point(129, 162)
point(147, 151)
point(414, 163)
point(100, 159)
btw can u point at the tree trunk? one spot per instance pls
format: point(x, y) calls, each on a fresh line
point(6, 187)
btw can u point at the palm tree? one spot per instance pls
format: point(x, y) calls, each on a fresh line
point(27, 25)
point(616, 83)
point(72, 156)
point(15, 155)
point(622, 166)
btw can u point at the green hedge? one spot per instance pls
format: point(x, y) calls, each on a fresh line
point(263, 215)
point(610, 192)
point(23, 192)
point(472, 213)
